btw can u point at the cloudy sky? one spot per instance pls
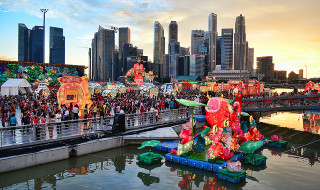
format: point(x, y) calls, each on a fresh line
point(288, 30)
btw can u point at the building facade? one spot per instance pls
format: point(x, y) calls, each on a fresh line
point(265, 66)
point(280, 75)
point(213, 34)
point(36, 38)
point(159, 47)
point(57, 46)
point(173, 33)
point(124, 37)
point(240, 44)
point(300, 73)
point(196, 37)
point(165, 66)
point(23, 43)
point(197, 65)
point(227, 49)
point(128, 50)
point(102, 55)
point(251, 60)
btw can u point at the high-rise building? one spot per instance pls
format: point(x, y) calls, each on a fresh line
point(197, 65)
point(173, 65)
point(124, 37)
point(300, 73)
point(36, 38)
point(196, 37)
point(180, 66)
point(102, 55)
point(165, 66)
point(184, 51)
point(251, 60)
point(213, 34)
point(186, 65)
point(240, 44)
point(174, 54)
point(173, 33)
point(219, 42)
point(159, 47)
point(23, 43)
point(128, 50)
point(265, 67)
point(90, 64)
point(57, 46)
point(227, 49)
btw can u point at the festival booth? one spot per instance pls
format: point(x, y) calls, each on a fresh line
point(188, 82)
point(168, 88)
point(13, 87)
point(252, 87)
point(211, 84)
point(74, 90)
point(94, 88)
point(43, 88)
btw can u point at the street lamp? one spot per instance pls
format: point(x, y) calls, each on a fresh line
point(44, 31)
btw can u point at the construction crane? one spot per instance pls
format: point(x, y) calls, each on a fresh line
point(115, 29)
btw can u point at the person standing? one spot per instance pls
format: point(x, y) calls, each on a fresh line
point(75, 111)
point(58, 121)
point(13, 123)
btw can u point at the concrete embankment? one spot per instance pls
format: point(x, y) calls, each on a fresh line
point(19, 158)
point(51, 155)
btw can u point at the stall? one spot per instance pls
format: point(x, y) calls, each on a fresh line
point(13, 87)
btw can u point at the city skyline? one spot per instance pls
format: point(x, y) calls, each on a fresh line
point(287, 30)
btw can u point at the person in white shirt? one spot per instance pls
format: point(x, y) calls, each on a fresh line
point(75, 112)
point(58, 121)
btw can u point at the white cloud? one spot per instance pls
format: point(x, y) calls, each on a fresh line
point(123, 2)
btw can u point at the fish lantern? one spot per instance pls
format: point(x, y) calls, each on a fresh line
point(217, 111)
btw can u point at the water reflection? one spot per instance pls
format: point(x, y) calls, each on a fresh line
point(311, 121)
point(120, 168)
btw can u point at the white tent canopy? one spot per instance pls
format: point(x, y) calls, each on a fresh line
point(14, 86)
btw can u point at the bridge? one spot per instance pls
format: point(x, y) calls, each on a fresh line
point(282, 103)
point(299, 86)
point(87, 129)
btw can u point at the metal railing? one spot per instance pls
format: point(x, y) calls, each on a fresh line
point(282, 103)
point(40, 133)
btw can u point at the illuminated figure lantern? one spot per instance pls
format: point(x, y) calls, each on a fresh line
point(218, 110)
point(74, 90)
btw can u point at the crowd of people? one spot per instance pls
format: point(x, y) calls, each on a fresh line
point(39, 110)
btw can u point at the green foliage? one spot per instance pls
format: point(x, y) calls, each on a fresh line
point(53, 82)
point(2, 80)
point(14, 68)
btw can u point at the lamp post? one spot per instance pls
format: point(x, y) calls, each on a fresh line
point(44, 32)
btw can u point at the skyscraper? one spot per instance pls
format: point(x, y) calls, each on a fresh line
point(124, 37)
point(226, 49)
point(251, 61)
point(36, 38)
point(128, 50)
point(174, 54)
point(23, 43)
point(196, 37)
point(212, 28)
point(90, 64)
point(173, 33)
point(102, 55)
point(165, 66)
point(57, 46)
point(197, 65)
point(159, 47)
point(240, 44)
point(265, 67)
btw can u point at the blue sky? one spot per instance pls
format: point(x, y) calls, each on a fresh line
point(287, 30)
